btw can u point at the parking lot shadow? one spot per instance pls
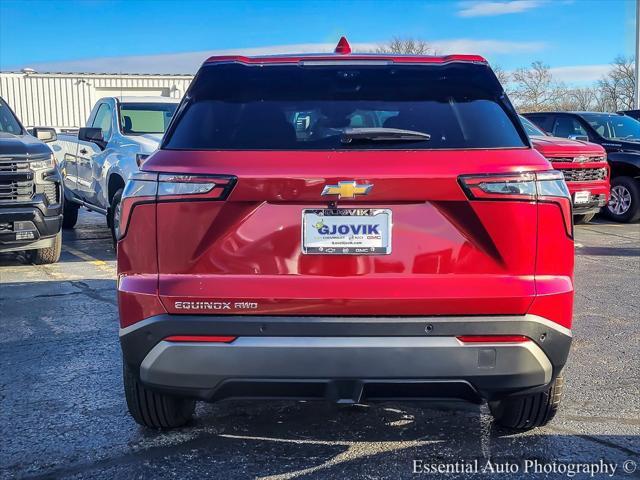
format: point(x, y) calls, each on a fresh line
point(71, 253)
point(282, 440)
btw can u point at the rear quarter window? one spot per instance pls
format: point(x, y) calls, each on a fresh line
point(236, 106)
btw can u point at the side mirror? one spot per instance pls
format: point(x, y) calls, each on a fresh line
point(91, 134)
point(45, 134)
point(582, 138)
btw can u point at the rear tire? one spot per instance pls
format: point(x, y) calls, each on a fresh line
point(44, 256)
point(529, 411)
point(581, 219)
point(70, 215)
point(154, 410)
point(114, 216)
point(625, 200)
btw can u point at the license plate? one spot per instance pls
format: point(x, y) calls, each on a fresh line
point(347, 231)
point(581, 197)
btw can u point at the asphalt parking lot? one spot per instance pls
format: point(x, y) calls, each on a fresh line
point(63, 413)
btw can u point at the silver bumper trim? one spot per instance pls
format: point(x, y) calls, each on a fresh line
point(186, 365)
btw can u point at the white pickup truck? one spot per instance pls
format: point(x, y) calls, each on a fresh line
point(97, 162)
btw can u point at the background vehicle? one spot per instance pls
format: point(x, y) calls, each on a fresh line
point(30, 190)
point(244, 270)
point(120, 133)
point(620, 137)
point(584, 166)
point(635, 114)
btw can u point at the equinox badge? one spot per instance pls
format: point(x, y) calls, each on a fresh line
point(347, 189)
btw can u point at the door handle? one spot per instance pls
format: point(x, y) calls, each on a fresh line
point(84, 151)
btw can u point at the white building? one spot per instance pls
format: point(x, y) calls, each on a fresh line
point(64, 100)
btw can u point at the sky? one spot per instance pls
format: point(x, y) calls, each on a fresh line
point(577, 38)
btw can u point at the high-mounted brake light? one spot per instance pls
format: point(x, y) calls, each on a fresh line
point(145, 187)
point(493, 338)
point(545, 187)
point(343, 47)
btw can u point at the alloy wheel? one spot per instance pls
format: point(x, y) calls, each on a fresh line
point(620, 200)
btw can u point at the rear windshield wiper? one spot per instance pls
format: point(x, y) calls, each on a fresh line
point(382, 135)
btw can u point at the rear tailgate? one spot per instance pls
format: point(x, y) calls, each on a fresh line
point(449, 255)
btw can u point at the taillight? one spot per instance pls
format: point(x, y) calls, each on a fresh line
point(545, 187)
point(145, 187)
point(519, 186)
point(189, 187)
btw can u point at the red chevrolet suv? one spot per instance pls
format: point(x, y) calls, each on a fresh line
point(584, 166)
point(348, 227)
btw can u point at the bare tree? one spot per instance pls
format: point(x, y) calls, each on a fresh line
point(601, 103)
point(617, 87)
point(581, 99)
point(503, 76)
point(534, 88)
point(410, 46)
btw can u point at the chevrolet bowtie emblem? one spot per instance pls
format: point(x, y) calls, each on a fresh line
point(347, 189)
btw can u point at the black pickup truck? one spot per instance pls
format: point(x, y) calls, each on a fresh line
point(30, 190)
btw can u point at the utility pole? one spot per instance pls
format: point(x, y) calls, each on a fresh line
point(636, 102)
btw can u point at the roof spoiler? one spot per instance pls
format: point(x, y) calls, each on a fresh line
point(343, 53)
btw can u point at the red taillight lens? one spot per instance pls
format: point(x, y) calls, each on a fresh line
point(144, 187)
point(200, 338)
point(546, 186)
point(493, 338)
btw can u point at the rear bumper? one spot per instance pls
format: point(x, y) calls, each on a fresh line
point(346, 359)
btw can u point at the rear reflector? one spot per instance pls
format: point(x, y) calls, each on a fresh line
point(200, 338)
point(493, 338)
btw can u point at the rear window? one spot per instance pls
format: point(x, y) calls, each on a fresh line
point(240, 107)
point(142, 118)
